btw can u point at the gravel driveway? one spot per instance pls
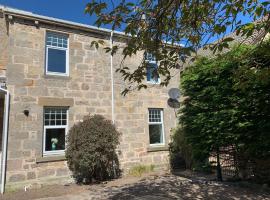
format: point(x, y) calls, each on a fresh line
point(150, 187)
point(169, 187)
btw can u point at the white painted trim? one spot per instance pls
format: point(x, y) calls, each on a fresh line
point(154, 83)
point(162, 124)
point(58, 48)
point(45, 127)
point(4, 140)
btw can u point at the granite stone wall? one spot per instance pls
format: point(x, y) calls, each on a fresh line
point(3, 46)
point(86, 91)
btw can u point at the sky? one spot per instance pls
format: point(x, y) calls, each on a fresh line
point(72, 10)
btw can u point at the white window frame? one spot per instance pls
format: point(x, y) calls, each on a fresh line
point(153, 61)
point(66, 49)
point(45, 127)
point(162, 129)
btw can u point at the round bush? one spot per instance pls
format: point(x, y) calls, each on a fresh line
point(91, 150)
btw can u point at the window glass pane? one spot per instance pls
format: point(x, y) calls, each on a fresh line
point(149, 73)
point(64, 116)
point(150, 57)
point(47, 116)
point(58, 110)
point(56, 40)
point(64, 122)
point(52, 111)
point(56, 60)
point(55, 116)
point(155, 115)
point(58, 116)
point(155, 133)
point(49, 40)
point(152, 74)
point(55, 139)
point(65, 43)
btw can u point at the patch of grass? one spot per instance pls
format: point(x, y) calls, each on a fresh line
point(141, 169)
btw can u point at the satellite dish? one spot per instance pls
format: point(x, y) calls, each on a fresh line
point(173, 103)
point(174, 93)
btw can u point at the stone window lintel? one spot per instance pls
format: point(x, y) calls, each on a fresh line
point(51, 101)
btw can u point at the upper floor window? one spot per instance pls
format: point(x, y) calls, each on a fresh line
point(151, 69)
point(57, 54)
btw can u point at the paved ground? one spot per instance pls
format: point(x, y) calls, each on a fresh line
point(168, 187)
point(164, 187)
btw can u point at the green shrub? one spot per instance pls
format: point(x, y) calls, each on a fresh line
point(180, 150)
point(226, 105)
point(91, 150)
point(141, 169)
point(181, 154)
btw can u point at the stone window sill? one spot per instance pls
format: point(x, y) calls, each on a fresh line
point(50, 159)
point(157, 148)
point(51, 76)
point(155, 85)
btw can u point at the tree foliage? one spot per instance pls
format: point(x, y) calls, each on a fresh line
point(156, 26)
point(227, 103)
point(91, 149)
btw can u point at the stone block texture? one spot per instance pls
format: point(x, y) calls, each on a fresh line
point(3, 46)
point(87, 90)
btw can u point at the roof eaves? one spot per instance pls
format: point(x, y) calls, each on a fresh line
point(52, 20)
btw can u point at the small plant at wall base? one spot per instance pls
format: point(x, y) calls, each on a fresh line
point(180, 151)
point(181, 154)
point(139, 170)
point(91, 150)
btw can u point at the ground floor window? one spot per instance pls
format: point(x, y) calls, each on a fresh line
point(55, 130)
point(156, 127)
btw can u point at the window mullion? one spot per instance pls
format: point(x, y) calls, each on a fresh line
point(59, 48)
point(155, 123)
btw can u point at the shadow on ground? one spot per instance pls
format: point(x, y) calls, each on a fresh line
point(175, 187)
point(149, 187)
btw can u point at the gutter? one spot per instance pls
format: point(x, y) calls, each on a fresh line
point(4, 140)
point(112, 78)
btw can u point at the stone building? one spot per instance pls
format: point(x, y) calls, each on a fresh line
point(51, 77)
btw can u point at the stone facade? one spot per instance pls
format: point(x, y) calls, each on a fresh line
point(3, 46)
point(87, 90)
